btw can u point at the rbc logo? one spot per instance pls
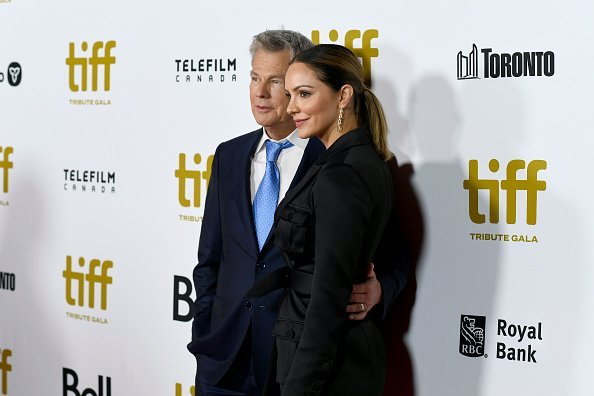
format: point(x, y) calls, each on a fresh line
point(511, 185)
point(5, 368)
point(364, 51)
point(80, 63)
point(91, 278)
point(72, 387)
point(472, 335)
point(196, 177)
point(6, 165)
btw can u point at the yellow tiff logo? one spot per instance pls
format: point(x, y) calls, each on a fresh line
point(6, 165)
point(101, 57)
point(194, 176)
point(5, 368)
point(178, 390)
point(511, 185)
point(364, 50)
point(89, 277)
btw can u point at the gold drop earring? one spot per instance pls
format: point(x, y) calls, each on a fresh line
point(340, 119)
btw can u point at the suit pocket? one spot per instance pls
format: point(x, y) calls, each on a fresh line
point(287, 335)
point(291, 230)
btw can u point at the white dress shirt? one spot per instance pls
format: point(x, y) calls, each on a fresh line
point(288, 161)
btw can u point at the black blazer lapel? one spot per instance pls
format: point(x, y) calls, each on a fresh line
point(311, 153)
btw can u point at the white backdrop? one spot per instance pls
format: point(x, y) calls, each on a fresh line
point(137, 129)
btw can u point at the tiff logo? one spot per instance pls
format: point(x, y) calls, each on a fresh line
point(364, 51)
point(472, 335)
point(5, 368)
point(511, 185)
point(6, 165)
point(91, 278)
point(468, 65)
point(195, 177)
point(179, 390)
point(101, 57)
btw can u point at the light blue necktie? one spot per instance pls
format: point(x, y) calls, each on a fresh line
point(266, 197)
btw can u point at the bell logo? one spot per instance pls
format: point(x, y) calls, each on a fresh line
point(90, 278)
point(184, 298)
point(6, 165)
point(71, 387)
point(511, 185)
point(5, 368)
point(195, 176)
point(101, 57)
point(364, 51)
point(179, 391)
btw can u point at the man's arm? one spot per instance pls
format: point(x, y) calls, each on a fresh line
point(379, 289)
point(209, 254)
point(365, 296)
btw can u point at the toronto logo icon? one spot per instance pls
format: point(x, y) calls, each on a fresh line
point(503, 64)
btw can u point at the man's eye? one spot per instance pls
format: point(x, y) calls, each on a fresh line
point(288, 94)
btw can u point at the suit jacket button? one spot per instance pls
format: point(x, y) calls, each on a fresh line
point(260, 266)
point(326, 366)
point(248, 305)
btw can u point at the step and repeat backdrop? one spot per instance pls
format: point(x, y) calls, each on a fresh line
point(110, 113)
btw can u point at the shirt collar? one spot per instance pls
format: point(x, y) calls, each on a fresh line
point(293, 138)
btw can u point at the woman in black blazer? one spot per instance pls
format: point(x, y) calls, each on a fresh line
point(329, 226)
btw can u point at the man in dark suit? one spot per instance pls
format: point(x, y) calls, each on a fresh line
point(231, 334)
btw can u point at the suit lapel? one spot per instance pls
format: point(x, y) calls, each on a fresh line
point(312, 151)
point(243, 196)
point(353, 138)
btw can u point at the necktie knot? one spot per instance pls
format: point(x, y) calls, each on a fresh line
point(273, 149)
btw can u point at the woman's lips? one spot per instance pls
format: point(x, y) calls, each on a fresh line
point(299, 122)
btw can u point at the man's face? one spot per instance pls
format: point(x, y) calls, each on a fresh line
point(267, 92)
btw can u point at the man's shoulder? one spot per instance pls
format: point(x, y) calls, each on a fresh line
point(242, 142)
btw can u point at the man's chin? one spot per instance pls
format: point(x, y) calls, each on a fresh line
point(263, 121)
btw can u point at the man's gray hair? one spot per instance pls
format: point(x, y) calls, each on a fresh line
point(280, 40)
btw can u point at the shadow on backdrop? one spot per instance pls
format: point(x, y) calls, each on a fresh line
point(404, 231)
point(456, 276)
point(404, 234)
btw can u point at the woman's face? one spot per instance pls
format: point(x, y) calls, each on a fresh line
point(312, 104)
